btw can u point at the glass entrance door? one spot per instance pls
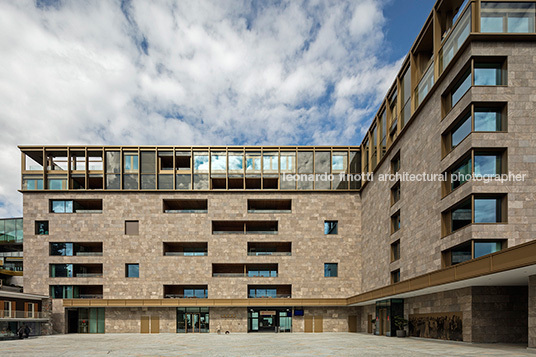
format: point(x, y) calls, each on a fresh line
point(192, 323)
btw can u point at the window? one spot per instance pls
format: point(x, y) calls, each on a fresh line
point(244, 227)
point(471, 250)
point(8, 309)
point(395, 222)
point(62, 249)
point(395, 276)
point(487, 210)
point(32, 182)
point(132, 270)
point(395, 164)
point(62, 206)
point(41, 227)
point(406, 96)
point(478, 117)
point(395, 193)
point(477, 208)
point(395, 251)
point(510, 17)
point(331, 227)
point(75, 206)
point(130, 162)
point(185, 206)
point(331, 270)
point(461, 87)
point(269, 206)
point(61, 271)
point(461, 130)
point(460, 174)
point(480, 71)
point(132, 228)
point(461, 216)
point(488, 74)
point(30, 310)
point(57, 184)
point(488, 118)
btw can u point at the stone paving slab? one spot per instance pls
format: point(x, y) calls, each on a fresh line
point(296, 344)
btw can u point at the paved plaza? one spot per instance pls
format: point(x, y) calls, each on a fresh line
point(326, 344)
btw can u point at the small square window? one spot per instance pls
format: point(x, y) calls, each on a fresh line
point(132, 270)
point(41, 228)
point(331, 227)
point(395, 276)
point(331, 270)
point(132, 228)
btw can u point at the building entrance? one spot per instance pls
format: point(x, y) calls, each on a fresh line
point(269, 319)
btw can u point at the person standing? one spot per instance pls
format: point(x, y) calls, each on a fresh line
point(27, 331)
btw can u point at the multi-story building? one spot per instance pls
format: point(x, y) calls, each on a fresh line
point(199, 239)
point(11, 252)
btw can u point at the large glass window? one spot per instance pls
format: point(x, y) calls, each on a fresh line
point(460, 131)
point(61, 270)
point(201, 162)
point(487, 210)
point(253, 162)
point(270, 162)
point(288, 162)
point(406, 96)
point(487, 119)
point(331, 270)
point(485, 248)
point(461, 173)
point(512, 17)
point(236, 162)
point(461, 216)
point(488, 74)
point(62, 206)
point(218, 162)
point(461, 87)
point(461, 254)
point(63, 249)
point(487, 164)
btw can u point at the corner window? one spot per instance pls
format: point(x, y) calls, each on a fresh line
point(331, 270)
point(132, 228)
point(461, 130)
point(471, 250)
point(460, 88)
point(477, 208)
point(132, 270)
point(331, 227)
point(41, 227)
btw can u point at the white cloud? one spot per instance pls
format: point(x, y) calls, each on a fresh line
point(188, 72)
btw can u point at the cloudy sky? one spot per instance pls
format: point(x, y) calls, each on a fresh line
point(194, 72)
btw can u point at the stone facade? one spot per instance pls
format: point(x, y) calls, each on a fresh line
point(421, 203)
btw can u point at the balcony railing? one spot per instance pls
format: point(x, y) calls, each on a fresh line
point(10, 254)
point(90, 296)
point(424, 86)
point(455, 38)
point(89, 275)
point(233, 275)
point(270, 253)
point(182, 296)
point(187, 254)
point(276, 296)
point(88, 254)
point(18, 314)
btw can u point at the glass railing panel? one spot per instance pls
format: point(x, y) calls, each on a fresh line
point(507, 17)
point(455, 39)
point(424, 86)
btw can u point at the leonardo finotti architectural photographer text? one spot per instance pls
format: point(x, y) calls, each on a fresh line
point(405, 176)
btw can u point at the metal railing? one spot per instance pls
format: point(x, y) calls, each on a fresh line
point(424, 86)
point(89, 275)
point(235, 275)
point(276, 296)
point(90, 296)
point(187, 254)
point(88, 254)
point(182, 296)
point(10, 254)
point(270, 253)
